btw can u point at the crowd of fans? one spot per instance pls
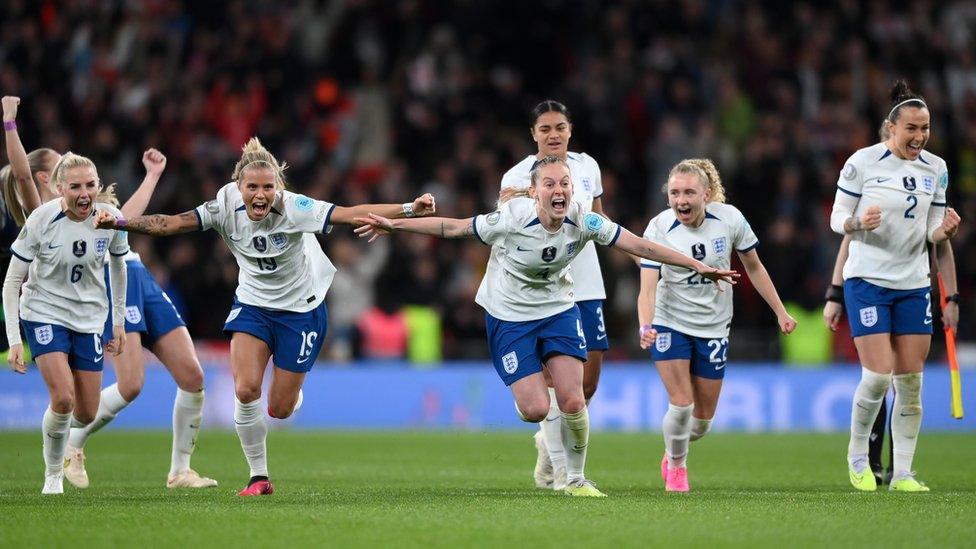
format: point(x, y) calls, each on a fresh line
point(382, 100)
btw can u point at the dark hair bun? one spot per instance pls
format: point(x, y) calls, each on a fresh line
point(901, 92)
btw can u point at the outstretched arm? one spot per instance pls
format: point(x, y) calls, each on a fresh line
point(155, 225)
point(155, 163)
point(421, 206)
point(635, 245)
point(374, 226)
point(764, 285)
point(19, 166)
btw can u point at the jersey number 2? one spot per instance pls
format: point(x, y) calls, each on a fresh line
point(913, 200)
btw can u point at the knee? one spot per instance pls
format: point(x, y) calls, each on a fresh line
point(533, 412)
point(248, 393)
point(572, 404)
point(192, 380)
point(62, 403)
point(681, 401)
point(280, 411)
point(131, 390)
point(83, 416)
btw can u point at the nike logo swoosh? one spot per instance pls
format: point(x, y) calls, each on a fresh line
point(235, 239)
point(882, 179)
point(604, 336)
point(928, 321)
point(583, 345)
point(862, 407)
point(902, 414)
point(720, 367)
point(521, 249)
point(192, 426)
point(50, 247)
point(303, 360)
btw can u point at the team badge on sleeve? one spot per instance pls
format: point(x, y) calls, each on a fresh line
point(304, 203)
point(44, 334)
point(510, 362)
point(593, 221)
point(849, 172)
point(663, 342)
point(212, 207)
point(869, 316)
point(493, 218)
point(719, 245)
point(101, 244)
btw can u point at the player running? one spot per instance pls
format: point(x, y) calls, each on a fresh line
point(684, 316)
point(528, 295)
point(551, 130)
point(279, 309)
point(148, 311)
point(64, 303)
point(891, 199)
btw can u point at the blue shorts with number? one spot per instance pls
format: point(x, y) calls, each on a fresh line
point(519, 348)
point(295, 339)
point(594, 328)
point(872, 309)
point(707, 355)
point(148, 309)
point(84, 350)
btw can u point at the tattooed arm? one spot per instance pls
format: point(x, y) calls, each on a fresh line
point(155, 225)
point(443, 227)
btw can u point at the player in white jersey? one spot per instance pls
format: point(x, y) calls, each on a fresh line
point(64, 304)
point(891, 199)
point(279, 308)
point(529, 297)
point(684, 316)
point(151, 319)
point(551, 130)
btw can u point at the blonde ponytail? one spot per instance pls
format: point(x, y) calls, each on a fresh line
point(38, 160)
point(254, 155)
point(706, 171)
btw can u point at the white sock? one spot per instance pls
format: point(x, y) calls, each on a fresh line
point(110, 403)
point(699, 428)
point(187, 413)
point(677, 431)
point(906, 420)
point(253, 432)
point(552, 433)
point(54, 429)
point(867, 401)
point(576, 437)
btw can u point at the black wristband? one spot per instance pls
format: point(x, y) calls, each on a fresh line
point(953, 298)
point(835, 293)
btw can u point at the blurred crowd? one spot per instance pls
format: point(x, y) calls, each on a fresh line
point(371, 101)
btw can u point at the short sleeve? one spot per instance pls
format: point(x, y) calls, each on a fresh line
point(851, 180)
point(600, 229)
point(211, 212)
point(597, 180)
point(26, 245)
point(653, 234)
point(309, 215)
point(743, 237)
point(491, 228)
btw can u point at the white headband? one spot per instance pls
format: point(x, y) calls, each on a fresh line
point(914, 99)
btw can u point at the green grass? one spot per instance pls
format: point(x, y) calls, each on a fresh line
point(474, 489)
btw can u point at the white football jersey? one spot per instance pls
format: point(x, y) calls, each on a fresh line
point(685, 300)
point(911, 194)
point(528, 275)
point(282, 267)
point(587, 185)
point(66, 279)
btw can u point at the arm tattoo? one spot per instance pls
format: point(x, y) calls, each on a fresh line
point(442, 229)
point(162, 225)
point(469, 230)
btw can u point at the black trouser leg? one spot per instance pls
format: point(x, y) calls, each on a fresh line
point(876, 441)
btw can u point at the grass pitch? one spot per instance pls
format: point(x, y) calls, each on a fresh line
point(422, 489)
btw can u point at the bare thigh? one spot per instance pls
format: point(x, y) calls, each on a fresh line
point(706, 393)
point(876, 352)
point(676, 376)
point(910, 352)
point(175, 350)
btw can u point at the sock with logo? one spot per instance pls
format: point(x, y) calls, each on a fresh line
point(677, 432)
point(253, 432)
point(867, 400)
point(110, 403)
point(187, 413)
point(576, 437)
point(54, 429)
point(906, 420)
point(552, 432)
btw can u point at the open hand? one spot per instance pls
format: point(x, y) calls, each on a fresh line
point(375, 226)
